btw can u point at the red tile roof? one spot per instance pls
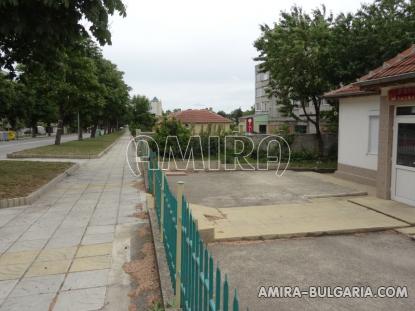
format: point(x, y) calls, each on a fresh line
point(401, 64)
point(200, 116)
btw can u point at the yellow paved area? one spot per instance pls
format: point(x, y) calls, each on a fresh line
point(388, 207)
point(320, 216)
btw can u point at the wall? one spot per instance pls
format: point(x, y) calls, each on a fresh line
point(198, 128)
point(353, 146)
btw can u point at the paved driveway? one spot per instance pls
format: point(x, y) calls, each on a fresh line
point(375, 259)
point(66, 251)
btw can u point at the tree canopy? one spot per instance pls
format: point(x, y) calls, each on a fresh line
point(38, 31)
point(308, 54)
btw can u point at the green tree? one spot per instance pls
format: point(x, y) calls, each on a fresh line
point(236, 114)
point(39, 30)
point(375, 33)
point(140, 113)
point(297, 53)
point(171, 127)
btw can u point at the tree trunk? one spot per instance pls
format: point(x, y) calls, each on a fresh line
point(80, 137)
point(320, 142)
point(93, 131)
point(34, 130)
point(59, 132)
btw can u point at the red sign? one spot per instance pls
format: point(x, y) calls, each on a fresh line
point(250, 125)
point(401, 94)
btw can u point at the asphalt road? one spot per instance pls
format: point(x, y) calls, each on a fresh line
point(13, 146)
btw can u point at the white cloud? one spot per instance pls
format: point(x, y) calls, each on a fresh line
point(196, 54)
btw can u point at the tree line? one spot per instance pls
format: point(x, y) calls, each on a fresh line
point(52, 68)
point(309, 54)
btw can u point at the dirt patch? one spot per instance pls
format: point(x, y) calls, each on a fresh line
point(139, 185)
point(141, 215)
point(144, 271)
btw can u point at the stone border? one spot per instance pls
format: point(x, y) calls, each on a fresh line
point(27, 200)
point(167, 292)
point(85, 157)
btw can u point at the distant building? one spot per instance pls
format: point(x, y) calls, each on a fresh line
point(203, 121)
point(156, 107)
point(268, 118)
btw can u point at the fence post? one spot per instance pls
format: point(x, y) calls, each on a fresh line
point(162, 209)
point(180, 187)
point(154, 182)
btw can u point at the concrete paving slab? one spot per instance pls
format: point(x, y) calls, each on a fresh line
point(86, 279)
point(94, 250)
point(388, 207)
point(40, 268)
point(324, 216)
point(86, 203)
point(39, 302)
point(5, 288)
point(12, 272)
point(91, 263)
point(65, 253)
point(100, 229)
point(98, 238)
point(410, 230)
point(81, 299)
point(38, 285)
point(10, 258)
point(28, 245)
point(243, 188)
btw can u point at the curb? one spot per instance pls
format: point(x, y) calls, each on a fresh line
point(27, 200)
point(167, 292)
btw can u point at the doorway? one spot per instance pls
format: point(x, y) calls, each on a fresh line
point(403, 160)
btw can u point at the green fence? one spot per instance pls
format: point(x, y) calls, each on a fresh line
point(200, 283)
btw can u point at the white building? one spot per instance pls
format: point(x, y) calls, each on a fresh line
point(377, 129)
point(156, 106)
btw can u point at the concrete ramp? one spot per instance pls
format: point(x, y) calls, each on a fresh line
point(319, 217)
point(391, 208)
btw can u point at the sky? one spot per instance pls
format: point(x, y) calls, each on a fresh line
point(197, 54)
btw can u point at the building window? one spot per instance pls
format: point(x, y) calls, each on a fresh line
point(262, 129)
point(373, 134)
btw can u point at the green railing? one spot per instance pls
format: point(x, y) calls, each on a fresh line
point(197, 284)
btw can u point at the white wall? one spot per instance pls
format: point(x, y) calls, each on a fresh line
point(354, 115)
point(156, 108)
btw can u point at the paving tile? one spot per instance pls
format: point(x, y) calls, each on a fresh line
point(12, 272)
point(100, 229)
point(98, 238)
point(27, 245)
point(81, 299)
point(38, 285)
point(65, 253)
point(40, 268)
point(28, 303)
point(86, 279)
point(94, 250)
point(62, 242)
point(5, 288)
point(11, 258)
point(91, 263)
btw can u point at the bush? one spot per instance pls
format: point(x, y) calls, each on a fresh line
point(171, 127)
point(304, 155)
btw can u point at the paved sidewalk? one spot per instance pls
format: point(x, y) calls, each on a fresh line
point(66, 251)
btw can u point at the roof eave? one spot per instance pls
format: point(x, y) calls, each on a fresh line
point(351, 94)
point(385, 80)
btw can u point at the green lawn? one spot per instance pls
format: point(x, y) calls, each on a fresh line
point(20, 178)
point(86, 147)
